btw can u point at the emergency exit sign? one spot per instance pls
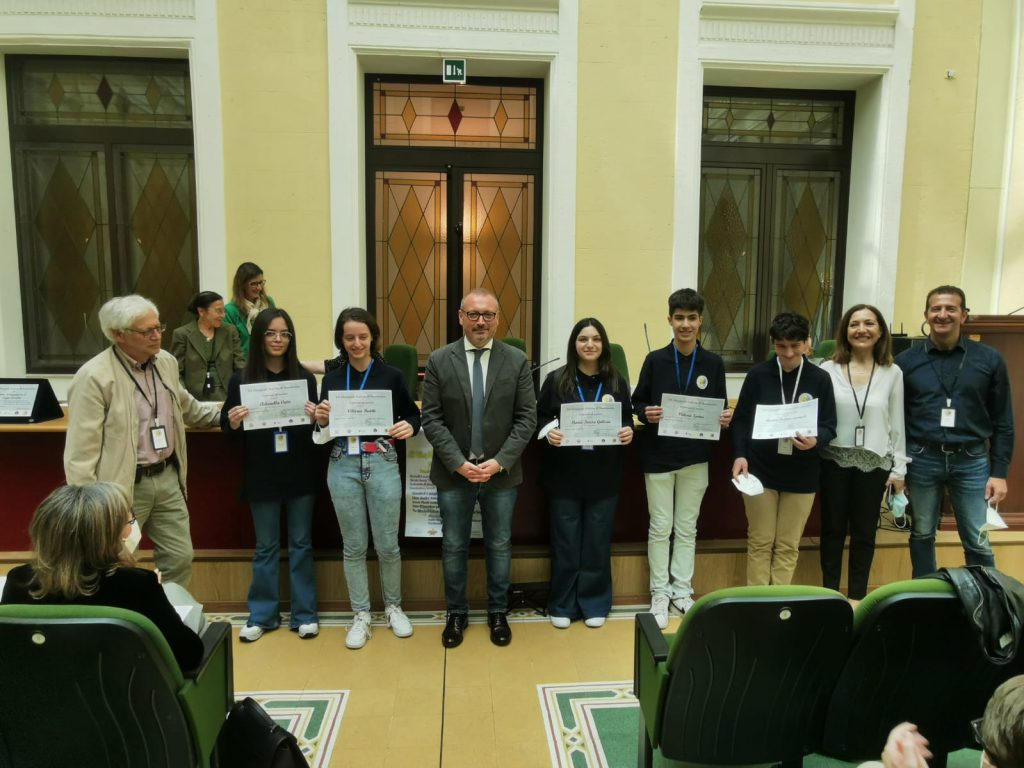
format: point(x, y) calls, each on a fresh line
point(454, 71)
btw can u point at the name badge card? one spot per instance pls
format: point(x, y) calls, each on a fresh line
point(948, 418)
point(158, 436)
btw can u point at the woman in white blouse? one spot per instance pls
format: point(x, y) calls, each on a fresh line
point(869, 451)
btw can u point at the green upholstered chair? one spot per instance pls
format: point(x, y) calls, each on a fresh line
point(515, 341)
point(405, 358)
point(745, 679)
point(915, 658)
point(619, 360)
point(825, 349)
point(98, 686)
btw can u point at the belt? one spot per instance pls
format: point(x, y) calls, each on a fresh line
point(149, 470)
point(375, 446)
point(952, 448)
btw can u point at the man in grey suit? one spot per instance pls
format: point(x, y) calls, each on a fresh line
point(479, 413)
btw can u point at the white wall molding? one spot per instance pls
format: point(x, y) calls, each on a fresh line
point(796, 33)
point(148, 9)
point(452, 19)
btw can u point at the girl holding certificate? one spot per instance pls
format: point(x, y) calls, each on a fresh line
point(869, 450)
point(278, 471)
point(363, 475)
point(582, 482)
point(787, 467)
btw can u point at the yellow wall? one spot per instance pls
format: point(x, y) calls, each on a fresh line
point(273, 59)
point(626, 157)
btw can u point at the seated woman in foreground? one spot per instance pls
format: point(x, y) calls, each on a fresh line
point(79, 558)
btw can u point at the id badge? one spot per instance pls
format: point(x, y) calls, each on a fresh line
point(336, 451)
point(587, 447)
point(352, 447)
point(281, 442)
point(858, 437)
point(158, 436)
point(948, 417)
point(785, 446)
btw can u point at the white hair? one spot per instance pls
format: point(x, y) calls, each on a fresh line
point(121, 311)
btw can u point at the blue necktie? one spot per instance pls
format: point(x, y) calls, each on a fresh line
point(476, 440)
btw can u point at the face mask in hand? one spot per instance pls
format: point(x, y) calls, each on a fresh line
point(898, 505)
point(131, 543)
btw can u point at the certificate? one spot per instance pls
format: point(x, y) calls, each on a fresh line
point(275, 404)
point(17, 399)
point(776, 421)
point(360, 412)
point(591, 423)
point(693, 417)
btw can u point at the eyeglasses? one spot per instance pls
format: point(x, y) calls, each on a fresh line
point(286, 335)
point(156, 330)
point(976, 730)
point(474, 316)
point(257, 283)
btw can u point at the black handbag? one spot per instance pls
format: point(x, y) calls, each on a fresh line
point(250, 738)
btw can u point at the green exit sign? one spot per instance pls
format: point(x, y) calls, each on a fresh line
point(454, 71)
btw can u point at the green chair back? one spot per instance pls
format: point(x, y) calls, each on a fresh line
point(405, 358)
point(100, 686)
point(515, 341)
point(619, 359)
point(825, 349)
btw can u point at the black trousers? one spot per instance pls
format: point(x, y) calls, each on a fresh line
point(850, 500)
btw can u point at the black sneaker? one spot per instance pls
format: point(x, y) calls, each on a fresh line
point(501, 633)
point(454, 629)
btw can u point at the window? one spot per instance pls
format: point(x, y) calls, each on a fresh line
point(104, 176)
point(775, 169)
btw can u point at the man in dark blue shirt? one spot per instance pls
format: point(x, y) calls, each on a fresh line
point(959, 430)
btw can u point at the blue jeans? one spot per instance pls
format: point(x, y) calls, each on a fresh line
point(361, 486)
point(964, 475)
point(581, 556)
point(456, 505)
point(264, 592)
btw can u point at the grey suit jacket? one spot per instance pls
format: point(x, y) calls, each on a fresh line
point(510, 412)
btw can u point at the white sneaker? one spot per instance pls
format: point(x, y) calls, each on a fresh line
point(359, 632)
point(250, 634)
point(397, 620)
point(307, 631)
point(659, 607)
point(560, 622)
point(682, 604)
point(594, 622)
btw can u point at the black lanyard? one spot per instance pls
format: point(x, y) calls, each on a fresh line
point(942, 382)
point(860, 408)
point(145, 396)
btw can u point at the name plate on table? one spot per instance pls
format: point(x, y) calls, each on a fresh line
point(777, 421)
point(360, 412)
point(694, 417)
point(17, 400)
point(28, 401)
point(591, 423)
point(275, 404)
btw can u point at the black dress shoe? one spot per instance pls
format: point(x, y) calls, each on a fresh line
point(454, 629)
point(501, 633)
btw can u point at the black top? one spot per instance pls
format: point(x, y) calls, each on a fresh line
point(974, 377)
point(657, 377)
point(134, 589)
point(572, 471)
point(381, 376)
point(798, 471)
point(269, 475)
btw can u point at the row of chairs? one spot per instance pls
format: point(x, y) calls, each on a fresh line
point(773, 674)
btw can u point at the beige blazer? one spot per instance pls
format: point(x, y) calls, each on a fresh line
point(103, 422)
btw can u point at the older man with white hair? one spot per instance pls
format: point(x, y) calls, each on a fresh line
point(127, 413)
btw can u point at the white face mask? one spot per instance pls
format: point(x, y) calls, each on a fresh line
point(131, 543)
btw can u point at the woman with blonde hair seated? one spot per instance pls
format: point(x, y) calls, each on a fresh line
point(78, 539)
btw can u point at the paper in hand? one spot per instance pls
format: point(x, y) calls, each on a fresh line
point(748, 484)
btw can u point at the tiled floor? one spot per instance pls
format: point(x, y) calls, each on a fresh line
point(415, 704)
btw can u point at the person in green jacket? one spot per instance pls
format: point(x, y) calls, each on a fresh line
point(248, 298)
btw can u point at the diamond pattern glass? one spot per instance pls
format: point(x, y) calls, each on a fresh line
point(767, 120)
point(411, 249)
point(498, 247)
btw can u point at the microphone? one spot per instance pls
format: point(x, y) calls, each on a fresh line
point(538, 366)
point(647, 339)
point(1018, 309)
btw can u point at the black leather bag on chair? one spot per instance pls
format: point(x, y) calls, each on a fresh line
point(251, 739)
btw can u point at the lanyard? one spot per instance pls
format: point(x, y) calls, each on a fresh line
point(693, 360)
point(580, 390)
point(348, 376)
point(145, 396)
point(860, 408)
point(942, 383)
point(796, 386)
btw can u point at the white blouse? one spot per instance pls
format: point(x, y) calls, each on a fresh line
point(884, 432)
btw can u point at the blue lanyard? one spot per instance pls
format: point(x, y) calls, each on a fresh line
point(580, 390)
point(693, 360)
point(348, 376)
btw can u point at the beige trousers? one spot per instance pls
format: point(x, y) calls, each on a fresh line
point(160, 509)
point(775, 523)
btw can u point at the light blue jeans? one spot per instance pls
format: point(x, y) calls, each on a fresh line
point(361, 486)
point(264, 590)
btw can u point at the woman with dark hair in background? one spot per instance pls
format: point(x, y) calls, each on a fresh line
point(78, 539)
point(278, 471)
point(249, 297)
point(582, 482)
point(208, 351)
point(869, 450)
point(363, 475)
